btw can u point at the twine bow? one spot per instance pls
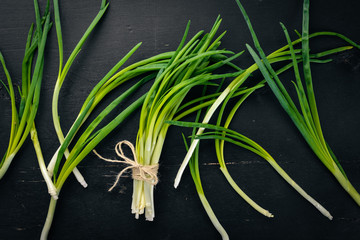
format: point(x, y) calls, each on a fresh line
point(147, 173)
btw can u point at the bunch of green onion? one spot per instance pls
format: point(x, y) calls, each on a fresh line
point(23, 116)
point(307, 121)
point(191, 65)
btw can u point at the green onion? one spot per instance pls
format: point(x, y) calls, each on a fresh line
point(196, 178)
point(219, 147)
point(63, 70)
point(307, 121)
point(22, 118)
point(195, 173)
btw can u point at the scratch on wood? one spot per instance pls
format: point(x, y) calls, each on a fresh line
point(210, 164)
point(20, 229)
point(31, 181)
point(111, 165)
point(122, 189)
point(231, 163)
point(114, 175)
point(349, 219)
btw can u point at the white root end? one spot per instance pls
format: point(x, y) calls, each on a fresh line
point(232, 183)
point(187, 159)
point(287, 178)
point(80, 178)
point(268, 214)
point(143, 200)
point(51, 166)
point(325, 212)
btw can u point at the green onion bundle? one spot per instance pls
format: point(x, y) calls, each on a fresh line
point(22, 117)
point(191, 65)
point(307, 121)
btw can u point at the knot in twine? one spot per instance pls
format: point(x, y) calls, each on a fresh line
point(147, 173)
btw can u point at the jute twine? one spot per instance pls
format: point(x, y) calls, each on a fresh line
point(147, 173)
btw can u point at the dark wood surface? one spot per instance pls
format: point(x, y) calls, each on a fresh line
point(94, 213)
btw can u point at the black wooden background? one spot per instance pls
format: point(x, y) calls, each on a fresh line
point(94, 213)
